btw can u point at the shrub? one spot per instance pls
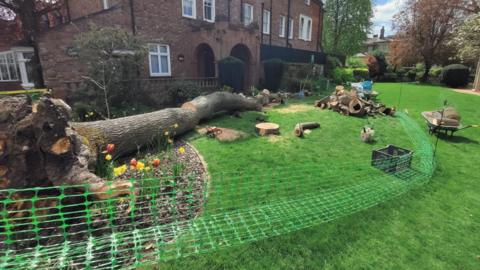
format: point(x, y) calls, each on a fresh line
point(182, 91)
point(455, 75)
point(401, 72)
point(273, 69)
point(331, 63)
point(435, 71)
point(388, 77)
point(412, 75)
point(361, 74)
point(381, 64)
point(231, 72)
point(356, 62)
point(291, 84)
point(341, 76)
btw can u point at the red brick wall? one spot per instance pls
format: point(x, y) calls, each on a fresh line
point(161, 21)
point(58, 67)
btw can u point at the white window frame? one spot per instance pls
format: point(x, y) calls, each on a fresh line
point(305, 33)
point(283, 26)
point(291, 26)
point(9, 77)
point(213, 11)
point(194, 9)
point(105, 4)
point(267, 20)
point(159, 55)
point(246, 7)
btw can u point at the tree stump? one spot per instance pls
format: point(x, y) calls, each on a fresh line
point(265, 129)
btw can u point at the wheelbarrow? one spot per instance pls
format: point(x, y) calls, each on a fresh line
point(437, 123)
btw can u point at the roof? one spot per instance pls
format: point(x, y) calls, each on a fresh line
point(376, 40)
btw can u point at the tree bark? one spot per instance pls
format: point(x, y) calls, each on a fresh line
point(476, 84)
point(39, 147)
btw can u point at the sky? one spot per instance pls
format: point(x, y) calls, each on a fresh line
point(383, 15)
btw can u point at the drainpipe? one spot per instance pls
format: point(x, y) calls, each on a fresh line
point(271, 21)
point(68, 10)
point(262, 20)
point(288, 22)
point(229, 7)
point(241, 12)
point(132, 17)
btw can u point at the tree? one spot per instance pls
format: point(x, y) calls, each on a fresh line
point(425, 26)
point(28, 13)
point(113, 58)
point(467, 41)
point(347, 23)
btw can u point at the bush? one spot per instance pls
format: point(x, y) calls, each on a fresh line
point(331, 63)
point(183, 91)
point(412, 75)
point(361, 74)
point(231, 72)
point(401, 72)
point(355, 62)
point(388, 77)
point(382, 62)
point(273, 69)
point(435, 71)
point(291, 84)
point(341, 76)
point(455, 75)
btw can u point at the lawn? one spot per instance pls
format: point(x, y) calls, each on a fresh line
point(434, 226)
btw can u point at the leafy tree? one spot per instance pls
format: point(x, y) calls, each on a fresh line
point(424, 27)
point(28, 14)
point(347, 23)
point(467, 40)
point(113, 58)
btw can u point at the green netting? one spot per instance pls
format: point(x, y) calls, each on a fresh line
point(64, 227)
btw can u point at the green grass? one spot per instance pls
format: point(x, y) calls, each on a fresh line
point(435, 226)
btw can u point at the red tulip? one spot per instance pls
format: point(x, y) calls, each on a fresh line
point(156, 163)
point(110, 148)
point(133, 162)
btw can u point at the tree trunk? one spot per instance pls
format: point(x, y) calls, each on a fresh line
point(39, 147)
point(476, 84)
point(428, 66)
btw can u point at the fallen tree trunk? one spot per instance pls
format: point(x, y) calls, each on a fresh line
point(301, 127)
point(40, 147)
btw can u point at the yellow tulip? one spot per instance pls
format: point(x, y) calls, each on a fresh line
point(140, 166)
point(108, 157)
point(181, 150)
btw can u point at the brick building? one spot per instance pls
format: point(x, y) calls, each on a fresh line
point(186, 38)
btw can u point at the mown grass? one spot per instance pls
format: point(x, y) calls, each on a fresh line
point(432, 227)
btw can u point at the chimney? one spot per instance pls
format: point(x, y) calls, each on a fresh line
point(382, 33)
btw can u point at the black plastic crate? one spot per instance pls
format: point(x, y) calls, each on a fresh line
point(392, 159)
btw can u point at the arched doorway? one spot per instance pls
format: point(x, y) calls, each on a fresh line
point(242, 52)
point(205, 61)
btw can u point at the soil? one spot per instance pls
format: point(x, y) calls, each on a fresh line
point(168, 197)
point(296, 108)
point(226, 134)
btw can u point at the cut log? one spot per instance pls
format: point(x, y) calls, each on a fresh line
point(355, 108)
point(42, 148)
point(301, 127)
point(265, 129)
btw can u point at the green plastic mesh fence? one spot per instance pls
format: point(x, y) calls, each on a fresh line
point(161, 219)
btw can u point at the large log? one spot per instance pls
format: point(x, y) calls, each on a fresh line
point(301, 127)
point(40, 147)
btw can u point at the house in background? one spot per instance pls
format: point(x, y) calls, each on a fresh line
point(377, 43)
point(14, 58)
point(186, 38)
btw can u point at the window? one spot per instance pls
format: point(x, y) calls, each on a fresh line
point(105, 4)
point(209, 10)
point(247, 14)
point(8, 67)
point(305, 31)
point(266, 22)
point(189, 8)
point(290, 29)
point(159, 60)
point(281, 30)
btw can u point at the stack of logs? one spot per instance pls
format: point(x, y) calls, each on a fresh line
point(350, 103)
